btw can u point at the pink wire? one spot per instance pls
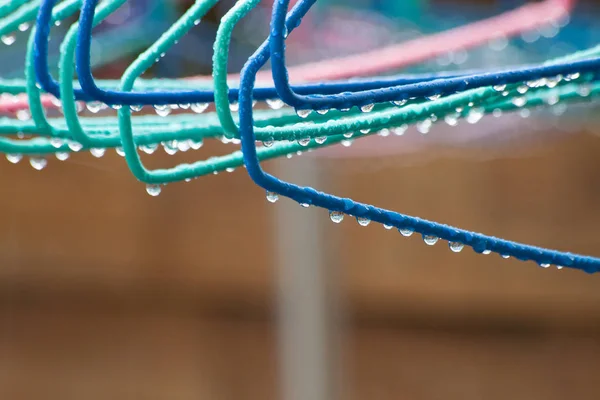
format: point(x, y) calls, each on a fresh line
point(505, 25)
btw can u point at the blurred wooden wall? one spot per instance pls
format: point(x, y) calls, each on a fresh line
point(108, 292)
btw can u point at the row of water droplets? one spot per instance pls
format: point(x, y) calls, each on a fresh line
point(456, 247)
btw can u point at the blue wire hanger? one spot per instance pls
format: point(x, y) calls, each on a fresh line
point(306, 195)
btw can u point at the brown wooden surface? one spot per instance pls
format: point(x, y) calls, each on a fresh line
point(106, 292)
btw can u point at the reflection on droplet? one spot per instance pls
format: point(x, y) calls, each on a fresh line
point(8, 39)
point(275, 104)
point(199, 107)
point(303, 113)
point(38, 163)
point(272, 197)
point(14, 158)
point(153, 190)
point(405, 232)
point(367, 108)
point(430, 240)
point(336, 216)
point(363, 221)
point(456, 247)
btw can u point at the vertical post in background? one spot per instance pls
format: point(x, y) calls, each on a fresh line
point(307, 306)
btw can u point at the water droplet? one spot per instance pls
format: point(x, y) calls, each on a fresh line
point(268, 143)
point(24, 26)
point(497, 112)
point(8, 39)
point(553, 82)
point(323, 112)
point(399, 103)
point(94, 106)
point(74, 146)
point(451, 119)
point(153, 190)
point(136, 108)
point(197, 22)
point(519, 101)
point(38, 163)
point(304, 142)
point(196, 144)
point(321, 139)
point(120, 151)
point(303, 113)
point(572, 77)
point(474, 115)
point(57, 23)
point(545, 265)
point(433, 97)
point(62, 155)
point(162, 110)
point(346, 143)
point(486, 252)
point(348, 135)
point(384, 132)
point(275, 104)
point(229, 169)
point(505, 256)
point(199, 107)
point(272, 197)
point(365, 131)
point(456, 247)
point(523, 89)
point(430, 240)
point(336, 216)
point(405, 232)
point(56, 142)
point(14, 158)
point(424, 126)
point(367, 108)
point(559, 267)
point(584, 90)
point(387, 227)
point(183, 145)
point(499, 88)
point(149, 148)
point(23, 115)
point(399, 130)
point(525, 113)
point(363, 221)
point(116, 106)
point(97, 151)
point(234, 106)
point(304, 205)
point(184, 106)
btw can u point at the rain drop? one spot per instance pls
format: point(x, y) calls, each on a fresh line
point(519, 101)
point(430, 240)
point(94, 106)
point(367, 108)
point(38, 163)
point(199, 107)
point(499, 88)
point(153, 190)
point(8, 39)
point(275, 104)
point(56, 142)
point(272, 197)
point(363, 221)
point(456, 247)
point(544, 265)
point(136, 108)
point(399, 103)
point(474, 115)
point(120, 151)
point(424, 126)
point(433, 97)
point(98, 151)
point(303, 113)
point(399, 131)
point(321, 139)
point(234, 106)
point(304, 142)
point(405, 232)
point(387, 227)
point(162, 110)
point(14, 158)
point(24, 26)
point(336, 216)
point(62, 155)
point(74, 146)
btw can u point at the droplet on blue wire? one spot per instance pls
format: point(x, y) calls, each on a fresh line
point(272, 197)
point(430, 240)
point(336, 216)
point(363, 221)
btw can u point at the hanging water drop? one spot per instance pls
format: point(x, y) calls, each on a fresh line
point(430, 240)
point(559, 267)
point(304, 142)
point(116, 107)
point(499, 88)
point(62, 155)
point(584, 90)
point(183, 145)
point(304, 205)
point(24, 26)
point(405, 232)
point(486, 252)
point(323, 112)
point(153, 190)
point(522, 89)
point(94, 106)
point(120, 151)
point(365, 131)
point(385, 132)
point(400, 130)
point(400, 103)
point(136, 108)
point(497, 112)
point(363, 221)
point(97, 151)
point(505, 256)
point(234, 106)
point(474, 115)
point(336, 216)
point(197, 22)
point(346, 143)
point(162, 110)
point(74, 146)
point(387, 227)
point(348, 135)
point(275, 104)
point(303, 113)
point(552, 99)
point(38, 163)
point(184, 106)
point(519, 101)
point(199, 108)
point(545, 265)
point(321, 139)
point(196, 144)
point(572, 77)
point(14, 158)
point(56, 142)
point(433, 97)
point(268, 143)
point(424, 126)
point(8, 39)
point(451, 119)
point(367, 108)
point(456, 247)
point(272, 197)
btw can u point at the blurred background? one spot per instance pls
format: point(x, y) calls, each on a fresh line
point(106, 292)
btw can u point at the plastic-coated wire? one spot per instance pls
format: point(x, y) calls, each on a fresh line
point(278, 33)
point(306, 195)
